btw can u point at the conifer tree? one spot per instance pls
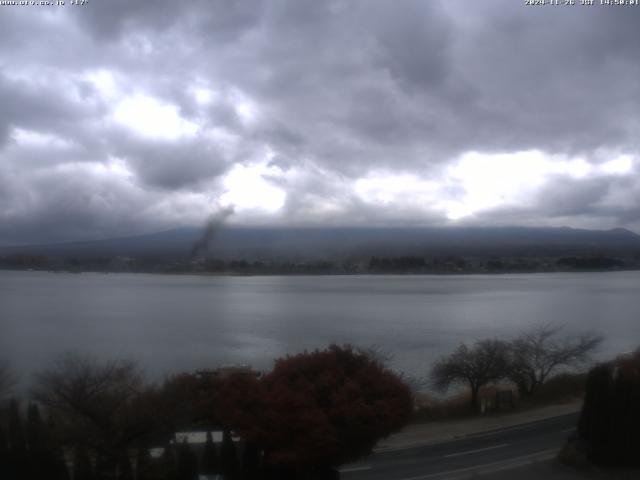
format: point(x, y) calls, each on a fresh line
point(144, 467)
point(210, 463)
point(610, 418)
point(187, 462)
point(104, 469)
point(57, 466)
point(167, 465)
point(228, 457)
point(39, 448)
point(250, 461)
point(18, 465)
point(36, 429)
point(124, 470)
point(17, 443)
point(4, 455)
point(81, 464)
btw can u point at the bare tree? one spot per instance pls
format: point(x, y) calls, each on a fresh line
point(537, 353)
point(93, 399)
point(385, 357)
point(482, 363)
point(378, 353)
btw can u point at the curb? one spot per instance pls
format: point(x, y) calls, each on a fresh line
point(450, 438)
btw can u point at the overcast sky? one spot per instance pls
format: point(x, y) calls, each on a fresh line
point(122, 117)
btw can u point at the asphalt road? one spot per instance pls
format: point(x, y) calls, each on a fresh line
point(477, 454)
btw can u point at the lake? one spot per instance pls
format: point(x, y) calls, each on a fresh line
point(184, 322)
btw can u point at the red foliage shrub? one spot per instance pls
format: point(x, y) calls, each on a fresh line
point(317, 409)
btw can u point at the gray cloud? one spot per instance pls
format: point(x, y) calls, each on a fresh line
point(173, 164)
point(326, 92)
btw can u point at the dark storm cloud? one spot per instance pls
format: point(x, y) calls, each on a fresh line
point(29, 107)
point(327, 92)
point(564, 81)
point(221, 19)
point(563, 197)
point(416, 55)
point(173, 164)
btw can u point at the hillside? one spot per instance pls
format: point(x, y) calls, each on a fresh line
point(314, 243)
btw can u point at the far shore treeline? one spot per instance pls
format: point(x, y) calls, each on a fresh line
point(449, 264)
point(339, 251)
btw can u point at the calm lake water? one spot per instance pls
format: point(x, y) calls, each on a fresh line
point(172, 323)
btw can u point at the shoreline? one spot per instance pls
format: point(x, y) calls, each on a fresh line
point(328, 274)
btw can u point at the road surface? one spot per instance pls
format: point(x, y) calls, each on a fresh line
point(481, 453)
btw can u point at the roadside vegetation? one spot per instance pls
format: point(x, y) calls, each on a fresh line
point(95, 419)
point(525, 363)
point(607, 433)
point(99, 420)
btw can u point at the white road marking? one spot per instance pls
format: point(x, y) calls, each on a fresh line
point(457, 438)
point(490, 467)
point(355, 469)
point(469, 452)
point(573, 429)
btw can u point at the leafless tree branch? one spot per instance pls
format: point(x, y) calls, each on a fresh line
point(540, 351)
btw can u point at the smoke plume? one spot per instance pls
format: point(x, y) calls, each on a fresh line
point(201, 246)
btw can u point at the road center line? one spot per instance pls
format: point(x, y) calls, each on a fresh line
point(469, 452)
point(493, 466)
point(355, 469)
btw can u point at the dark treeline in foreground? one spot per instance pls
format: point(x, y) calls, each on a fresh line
point(93, 419)
point(370, 265)
point(609, 423)
point(610, 419)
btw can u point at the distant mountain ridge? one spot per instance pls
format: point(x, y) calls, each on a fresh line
point(314, 243)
